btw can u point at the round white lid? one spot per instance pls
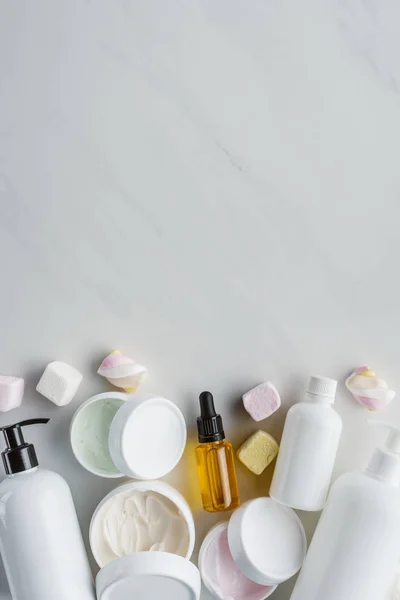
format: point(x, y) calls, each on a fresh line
point(149, 575)
point(267, 541)
point(147, 437)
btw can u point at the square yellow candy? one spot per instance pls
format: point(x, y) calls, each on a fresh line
point(258, 451)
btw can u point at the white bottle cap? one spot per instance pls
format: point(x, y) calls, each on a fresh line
point(149, 575)
point(322, 386)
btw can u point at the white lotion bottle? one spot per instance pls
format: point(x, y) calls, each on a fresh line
point(40, 539)
point(308, 449)
point(356, 546)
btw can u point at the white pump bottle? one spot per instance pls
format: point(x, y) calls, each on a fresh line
point(40, 540)
point(356, 546)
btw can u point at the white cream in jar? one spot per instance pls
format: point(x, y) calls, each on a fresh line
point(141, 517)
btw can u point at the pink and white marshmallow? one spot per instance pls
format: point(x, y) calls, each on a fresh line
point(368, 389)
point(11, 392)
point(122, 371)
point(262, 401)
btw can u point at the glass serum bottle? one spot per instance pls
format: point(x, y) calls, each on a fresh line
point(215, 460)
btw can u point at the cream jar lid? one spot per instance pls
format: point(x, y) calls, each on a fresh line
point(267, 541)
point(147, 437)
point(149, 575)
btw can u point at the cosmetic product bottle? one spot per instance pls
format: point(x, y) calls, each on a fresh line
point(308, 449)
point(215, 460)
point(40, 540)
point(355, 549)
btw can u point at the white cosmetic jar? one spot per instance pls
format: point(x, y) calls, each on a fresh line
point(262, 545)
point(220, 574)
point(125, 513)
point(142, 436)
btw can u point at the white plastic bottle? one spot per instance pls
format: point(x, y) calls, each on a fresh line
point(356, 546)
point(40, 539)
point(308, 449)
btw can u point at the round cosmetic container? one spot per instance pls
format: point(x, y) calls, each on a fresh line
point(130, 509)
point(221, 575)
point(142, 536)
point(261, 546)
point(142, 436)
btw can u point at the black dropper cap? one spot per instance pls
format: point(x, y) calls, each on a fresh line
point(209, 424)
point(19, 456)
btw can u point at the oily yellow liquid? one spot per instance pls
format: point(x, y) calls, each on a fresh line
point(217, 476)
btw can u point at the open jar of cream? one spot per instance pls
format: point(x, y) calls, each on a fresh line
point(261, 546)
point(221, 575)
point(142, 516)
point(141, 436)
point(142, 536)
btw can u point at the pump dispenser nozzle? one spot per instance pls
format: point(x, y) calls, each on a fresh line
point(19, 456)
point(385, 462)
point(393, 441)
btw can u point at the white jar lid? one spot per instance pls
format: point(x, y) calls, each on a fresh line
point(267, 541)
point(147, 437)
point(149, 575)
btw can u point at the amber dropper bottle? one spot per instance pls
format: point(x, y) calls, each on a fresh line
point(215, 460)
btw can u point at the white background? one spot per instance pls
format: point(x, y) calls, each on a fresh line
point(213, 187)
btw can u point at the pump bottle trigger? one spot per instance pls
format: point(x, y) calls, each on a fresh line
point(19, 456)
point(393, 441)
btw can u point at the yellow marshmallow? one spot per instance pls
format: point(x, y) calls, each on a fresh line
point(258, 451)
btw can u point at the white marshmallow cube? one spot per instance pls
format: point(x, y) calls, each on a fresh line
point(59, 383)
point(11, 392)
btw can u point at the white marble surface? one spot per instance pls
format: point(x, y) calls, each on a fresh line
point(212, 186)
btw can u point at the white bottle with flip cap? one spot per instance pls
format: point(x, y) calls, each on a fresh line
point(356, 546)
